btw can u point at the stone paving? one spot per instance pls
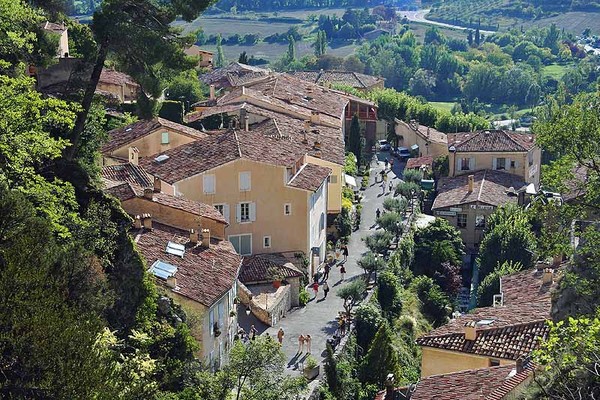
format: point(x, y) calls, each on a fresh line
point(318, 317)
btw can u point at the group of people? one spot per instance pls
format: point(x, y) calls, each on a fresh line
point(304, 340)
point(246, 337)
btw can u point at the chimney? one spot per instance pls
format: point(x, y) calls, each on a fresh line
point(156, 184)
point(317, 154)
point(305, 131)
point(547, 275)
point(172, 282)
point(148, 192)
point(428, 132)
point(194, 236)
point(134, 155)
point(137, 222)
point(147, 221)
point(520, 364)
point(206, 238)
point(471, 330)
point(471, 182)
point(317, 145)
point(212, 92)
point(315, 117)
point(246, 123)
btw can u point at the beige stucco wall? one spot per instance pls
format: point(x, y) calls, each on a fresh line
point(470, 235)
point(151, 144)
point(336, 182)
point(437, 361)
point(529, 173)
point(63, 44)
point(124, 92)
point(172, 216)
point(268, 191)
point(407, 137)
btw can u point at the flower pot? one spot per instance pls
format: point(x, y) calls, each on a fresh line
point(311, 373)
point(276, 283)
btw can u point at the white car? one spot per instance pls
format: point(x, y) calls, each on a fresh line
point(383, 145)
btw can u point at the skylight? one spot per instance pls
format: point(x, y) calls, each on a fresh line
point(161, 158)
point(176, 249)
point(163, 270)
point(482, 322)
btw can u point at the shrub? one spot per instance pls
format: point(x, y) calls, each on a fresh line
point(371, 263)
point(490, 285)
point(395, 204)
point(368, 319)
point(407, 189)
point(388, 295)
point(350, 165)
point(391, 222)
point(413, 175)
point(435, 305)
point(303, 296)
point(379, 242)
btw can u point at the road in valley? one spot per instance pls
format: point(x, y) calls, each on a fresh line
point(419, 16)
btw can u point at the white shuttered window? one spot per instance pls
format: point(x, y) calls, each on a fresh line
point(208, 184)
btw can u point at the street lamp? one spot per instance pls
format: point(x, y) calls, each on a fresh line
point(248, 311)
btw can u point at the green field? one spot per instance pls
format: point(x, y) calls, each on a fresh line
point(419, 29)
point(442, 105)
point(555, 71)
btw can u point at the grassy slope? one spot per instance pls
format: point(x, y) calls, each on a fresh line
point(555, 71)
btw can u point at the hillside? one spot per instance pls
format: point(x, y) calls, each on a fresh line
point(573, 16)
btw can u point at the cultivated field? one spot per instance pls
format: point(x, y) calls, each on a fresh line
point(574, 22)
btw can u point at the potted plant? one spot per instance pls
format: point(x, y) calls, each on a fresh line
point(232, 313)
point(311, 368)
point(276, 276)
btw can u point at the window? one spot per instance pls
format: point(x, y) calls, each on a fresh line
point(480, 222)
point(224, 210)
point(289, 172)
point(211, 321)
point(322, 222)
point(333, 179)
point(208, 184)
point(530, 158)
point(465, 164)
point(500, 163)
point(245, 183)
point(266, 242)
point(494, 362)
point(513, 164)
point(164, 138)
point(461, 220)
point(287, 209)
point(242, 244)
point(244, 212)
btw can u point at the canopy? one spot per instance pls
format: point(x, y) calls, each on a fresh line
point(350, 180)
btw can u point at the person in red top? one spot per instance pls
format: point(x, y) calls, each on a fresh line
point(316, 288)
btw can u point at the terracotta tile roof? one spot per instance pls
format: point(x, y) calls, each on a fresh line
point(492, 141)
point(527, 286)
point(233, 74)
point(478, 384)
point(118, 138)
point(412, 163)
point(425, 132)
point(310, 177)
point(111, 76)
point(257, 268)
point(354, 79)
point(216, 110)
point(508, 342)
point(489, 187)
point(127, 173)
point(203, 275)
point(126, 191)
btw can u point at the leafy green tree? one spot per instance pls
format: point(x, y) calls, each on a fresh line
point(435, 304)
point(396, 205)
point(441, 167)
point(413, 175)
point(368, 319)
point(407, 189)
point(370, 263)
point(379, 242)
point(490, 285)
point(388, 295)
point(436, 244)
point(434, 36)
point(343, 223)
point(381, 359)
point(391, 222)
point(257, 372)
point(186, 88)
point(243, 58)
point(154, 49)
point(352, 294)
point(291, 52)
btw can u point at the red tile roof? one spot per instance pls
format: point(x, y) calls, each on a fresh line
point(412, 163)
point(203, 275)
point(492, 141)
point(354, 79)
point(489, 187)
point(127, 173)
point(257, 268)
point(427, 133)
point(121, 190)
point(111, 76)
point(233, 75)
point(310, 177)
point(479, 384)
point(118, 138)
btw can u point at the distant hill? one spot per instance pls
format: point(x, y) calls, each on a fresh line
point(572, 15)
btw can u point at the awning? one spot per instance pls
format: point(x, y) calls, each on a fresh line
point(350, 180)
point(427, 184)
point(414, 147)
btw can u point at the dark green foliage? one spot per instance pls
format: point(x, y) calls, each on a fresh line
point(379, 242)
point(343, 223)
point(381, 359)
point(352, 294)
point(413, 175)
point(407, 189)
point(185, 88)
point(388, 295)
point(354, 139)
point(172, 110)
point(441, 167)
point(490, 285)
point(391, 222)
point(396, 205)
point(371, 263)
point(368, 319)
point(435, 305)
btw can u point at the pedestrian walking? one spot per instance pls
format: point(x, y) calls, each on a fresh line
point(390, 187)
point(253, 332)
point(342, 272)
point(343, 326)
point(300, 344)
point(391, 164)
point(377, 213)
point(326, 270)
point(280, 334)
point(308, 341)
point(316, 288)
point(385, 163)
point(345, 252)
point(325, 289)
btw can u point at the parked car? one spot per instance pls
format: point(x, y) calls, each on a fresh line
point(403, 153)
point(383, 145)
